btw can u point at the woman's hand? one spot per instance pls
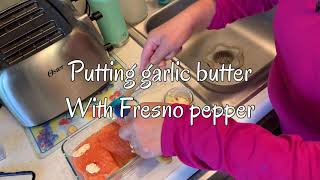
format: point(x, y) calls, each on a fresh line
point(143, 134)
point(166, 41)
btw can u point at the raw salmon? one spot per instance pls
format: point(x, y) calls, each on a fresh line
point(120, 149)
point(107, 151)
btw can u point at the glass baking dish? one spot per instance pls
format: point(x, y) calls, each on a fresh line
point(137, 168)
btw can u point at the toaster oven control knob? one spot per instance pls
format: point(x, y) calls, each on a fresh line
point(96, 16)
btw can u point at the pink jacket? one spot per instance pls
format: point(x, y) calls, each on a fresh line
point(246, 151)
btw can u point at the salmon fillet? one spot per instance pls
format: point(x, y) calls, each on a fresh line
point(107, 151)
point(120, 149)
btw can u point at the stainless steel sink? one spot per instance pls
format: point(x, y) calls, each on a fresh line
point(245, 44)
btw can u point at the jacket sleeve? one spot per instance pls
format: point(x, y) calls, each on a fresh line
point(245, 151)
point(228, 11)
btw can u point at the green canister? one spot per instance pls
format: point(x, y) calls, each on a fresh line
point(112, 25)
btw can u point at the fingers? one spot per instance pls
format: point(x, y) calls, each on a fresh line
point(124, 121)
point(126, 132)
point(130, 116)
point(139, 150)
point(148, 50)
point(156, 50)
point(173, 54)
point(160, 54)
point(145, 154)
point(170, 55)
point(163, 64)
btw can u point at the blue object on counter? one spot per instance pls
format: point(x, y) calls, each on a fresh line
point(163, 2)
point(116, 105)
point(26, 174)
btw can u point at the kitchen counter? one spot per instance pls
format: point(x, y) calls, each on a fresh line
point(20, 154)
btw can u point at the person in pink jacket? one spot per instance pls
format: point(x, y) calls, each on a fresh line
point(245, 151)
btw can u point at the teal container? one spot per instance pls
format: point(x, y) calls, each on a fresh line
point(112, 25)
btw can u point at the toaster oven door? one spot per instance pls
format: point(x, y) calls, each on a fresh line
point(35, 89)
